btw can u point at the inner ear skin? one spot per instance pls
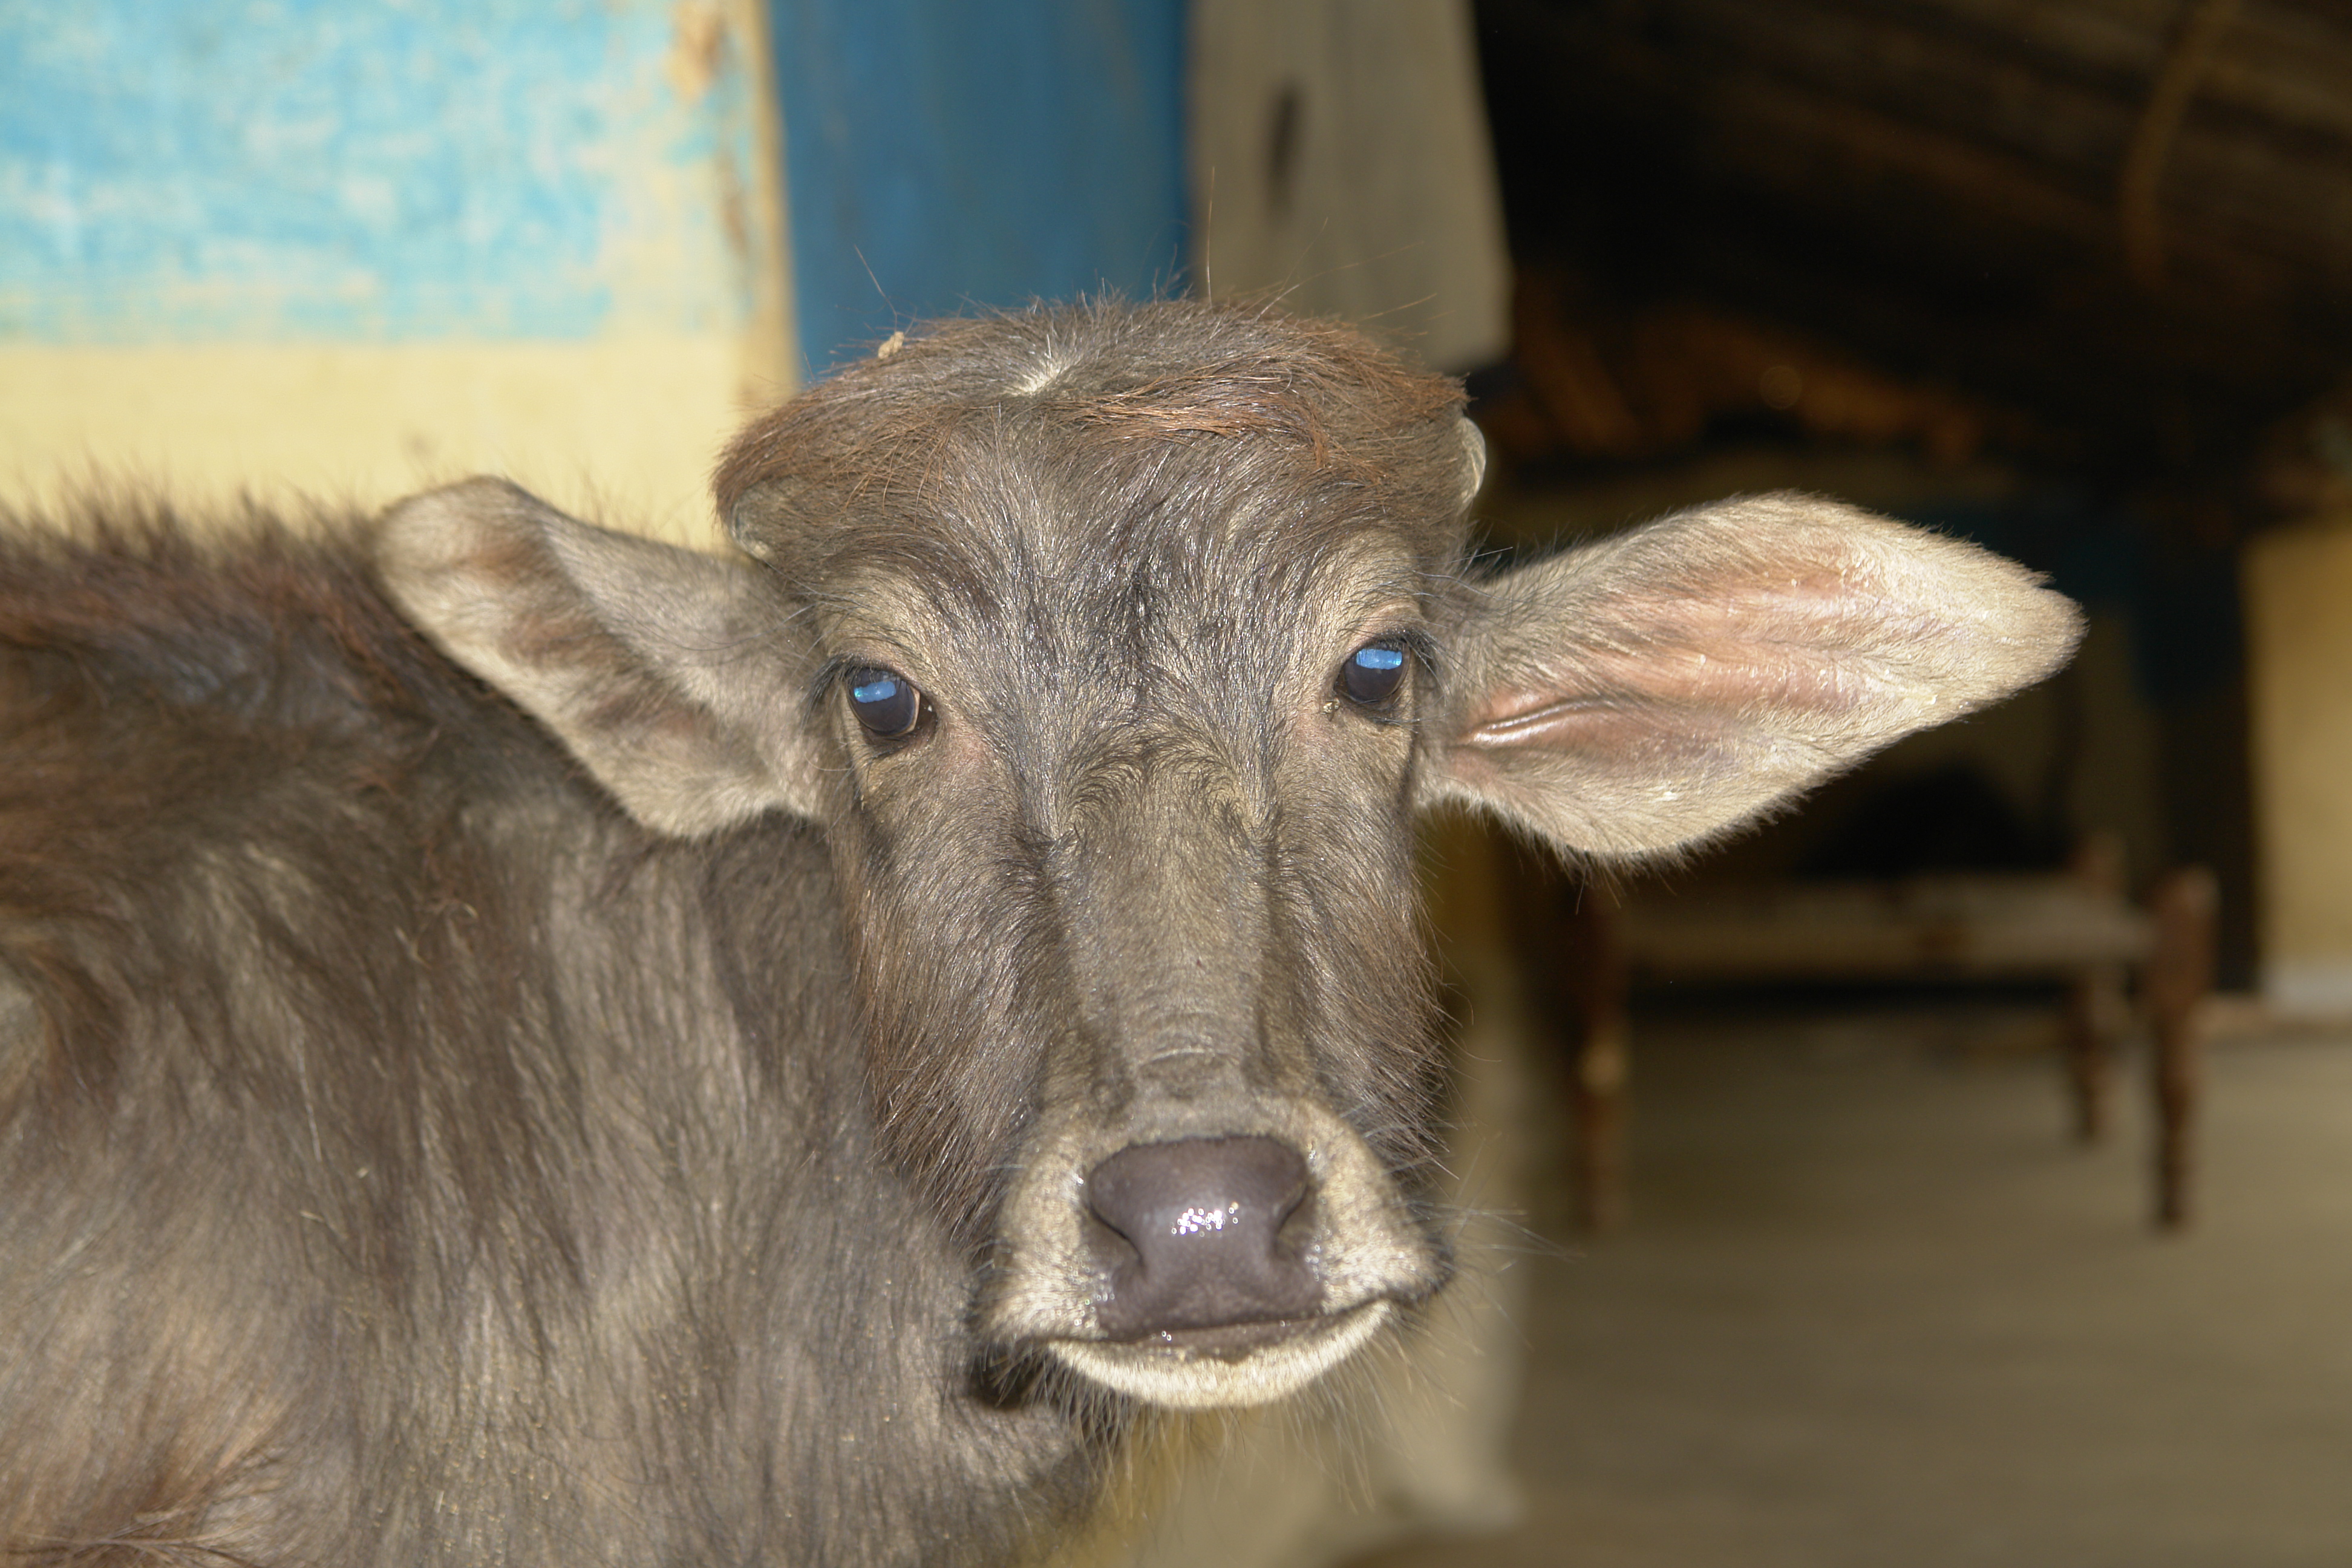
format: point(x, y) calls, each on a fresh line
point(1650, 691)
point(1782, 650)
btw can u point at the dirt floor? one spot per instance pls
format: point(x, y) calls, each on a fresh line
point(1875, 1309)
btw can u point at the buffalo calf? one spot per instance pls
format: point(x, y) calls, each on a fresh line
point(521, 1045)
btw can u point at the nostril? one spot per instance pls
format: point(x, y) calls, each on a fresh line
point(1228, 1188)
point(1204, 1223)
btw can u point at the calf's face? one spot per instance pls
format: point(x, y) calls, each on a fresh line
point(1115, 651)
point(1121, 782)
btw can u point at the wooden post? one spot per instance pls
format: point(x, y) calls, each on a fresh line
point(2096, 1008)
point(2179, 975)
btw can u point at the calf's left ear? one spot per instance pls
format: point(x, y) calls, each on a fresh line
point(667, 673)
point(1660, 687)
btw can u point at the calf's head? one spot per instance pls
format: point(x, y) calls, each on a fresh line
point(1114, 650)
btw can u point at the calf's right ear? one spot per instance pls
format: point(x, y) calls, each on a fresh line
point(670, 675)
point(1658, 688)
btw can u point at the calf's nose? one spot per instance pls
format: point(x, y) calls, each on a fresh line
point(1201, 1220)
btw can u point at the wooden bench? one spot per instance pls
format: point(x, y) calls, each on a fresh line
point(2075, 927)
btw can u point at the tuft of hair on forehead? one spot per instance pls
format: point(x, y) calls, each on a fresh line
point(1102, 380)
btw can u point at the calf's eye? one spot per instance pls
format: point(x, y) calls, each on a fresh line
point(1372, 674)
point(885, 702)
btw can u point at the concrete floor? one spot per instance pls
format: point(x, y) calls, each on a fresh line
point(1875, 1310)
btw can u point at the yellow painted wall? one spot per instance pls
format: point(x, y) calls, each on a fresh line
point(624, 429)
point(2298, 586)
point(382, 358)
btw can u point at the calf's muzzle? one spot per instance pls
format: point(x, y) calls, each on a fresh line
point(1192, 1237)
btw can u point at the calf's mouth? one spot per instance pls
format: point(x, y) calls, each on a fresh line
point(1216, 1269)
point(1242, 1364)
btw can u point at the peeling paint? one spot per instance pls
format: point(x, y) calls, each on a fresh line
point(275, 169)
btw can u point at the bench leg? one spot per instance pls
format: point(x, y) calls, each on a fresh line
point(2179, 974)
point(2095, 1009)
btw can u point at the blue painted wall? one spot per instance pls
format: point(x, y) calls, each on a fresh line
point(259, 170)
point(406, 170)
point(941, 155)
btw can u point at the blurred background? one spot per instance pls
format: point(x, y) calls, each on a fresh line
point(1806, 1229)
